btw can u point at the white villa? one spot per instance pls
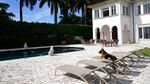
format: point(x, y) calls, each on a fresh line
point(126, 20)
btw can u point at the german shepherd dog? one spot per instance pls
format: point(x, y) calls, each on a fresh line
point(104, 55)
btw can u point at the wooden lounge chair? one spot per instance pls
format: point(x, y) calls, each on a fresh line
point(81, 72)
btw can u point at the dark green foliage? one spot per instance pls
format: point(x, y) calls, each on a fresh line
point(70, 19)
point(15, 34)
point(4, 15)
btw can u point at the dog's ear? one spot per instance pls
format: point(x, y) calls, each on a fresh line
point(101, 50)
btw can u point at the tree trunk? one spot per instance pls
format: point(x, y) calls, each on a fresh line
point(85, 14)
point(21, 16)
point(55, 16)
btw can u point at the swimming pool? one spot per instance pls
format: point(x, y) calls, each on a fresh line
point(33, 52)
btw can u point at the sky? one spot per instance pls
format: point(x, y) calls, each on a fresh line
point(41, 15)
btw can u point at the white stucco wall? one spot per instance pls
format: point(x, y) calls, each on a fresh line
point(140, 20)
point(120, 20)
point(111, 21)
point(127, 20)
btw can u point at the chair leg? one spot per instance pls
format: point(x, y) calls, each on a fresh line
point(100, 78)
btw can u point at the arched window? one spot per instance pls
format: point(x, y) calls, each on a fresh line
point(114, 33)
point(98, 33)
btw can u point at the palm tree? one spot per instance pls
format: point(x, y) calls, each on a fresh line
point(82, 5)
point(84, 10)
point(73, 6)
point(54, 9)
point(53, 5)
point(64, 7)
point(27, 3)
point(77, 5)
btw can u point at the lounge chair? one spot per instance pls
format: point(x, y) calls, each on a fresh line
point(81, 72)
point(139, 54)
point(125, 57)
point(114, 66)
point(107, 66)
point(129, 57)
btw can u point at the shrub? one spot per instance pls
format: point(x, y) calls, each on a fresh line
point(15, 34)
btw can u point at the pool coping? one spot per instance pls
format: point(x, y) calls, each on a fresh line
point(28, 48)
point(31, 48)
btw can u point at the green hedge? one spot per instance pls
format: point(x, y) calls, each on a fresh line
point(15, 34)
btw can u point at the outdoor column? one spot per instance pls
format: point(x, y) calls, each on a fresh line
point(102, 35)
point(129, 36)
point(94, 34)
point(110, 35)
point(95, 38)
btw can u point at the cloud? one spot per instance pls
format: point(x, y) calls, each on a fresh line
point(41, 14)
point(35, 16)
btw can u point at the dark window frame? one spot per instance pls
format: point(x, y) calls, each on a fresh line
point(146, 8)
point(105, 12)
point(139, 9)
point(96, 15)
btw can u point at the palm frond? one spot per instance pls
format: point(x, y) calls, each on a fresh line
point(42, 2)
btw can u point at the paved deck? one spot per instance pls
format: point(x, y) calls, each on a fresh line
point(40, 70)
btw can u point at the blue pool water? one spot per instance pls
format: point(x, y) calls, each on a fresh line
point(8, 55)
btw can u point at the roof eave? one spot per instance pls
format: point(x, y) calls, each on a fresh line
point(108, 1)
point(99, 3)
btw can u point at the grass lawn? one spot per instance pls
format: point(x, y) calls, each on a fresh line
point(144, 51)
